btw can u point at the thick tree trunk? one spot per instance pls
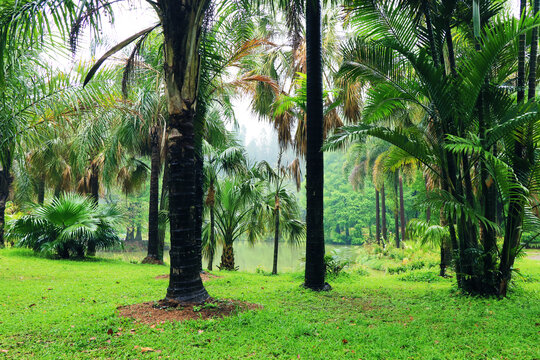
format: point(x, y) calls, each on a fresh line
point(377, 219)
point(227, 258)
point(315, 268)
point(129, 234)
point(138, 234)
point(152, 256)
point(383, 215)
point(182, 26)
point(276, 237)
point(401, 208)
point(199, 199)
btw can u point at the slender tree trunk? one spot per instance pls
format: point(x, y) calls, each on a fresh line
point(315, 268)
point(227, 258)
point(377, 218)
point(182, 26)
point(396, 210)
point(41, 191)
point(521, 59)
point(3, 199)
point(94, 195)
point(383, 215)
point(514, 220)
point(152, 256)
point(401, 207)
point(212, 237)
point(163, 206)
point(276, 237)
point(433, 47)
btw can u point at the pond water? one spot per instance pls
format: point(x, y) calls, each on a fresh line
point(249, 258)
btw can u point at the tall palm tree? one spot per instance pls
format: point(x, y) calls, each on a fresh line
point(445, 99)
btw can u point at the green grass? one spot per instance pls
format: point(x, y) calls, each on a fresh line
point(51, 309)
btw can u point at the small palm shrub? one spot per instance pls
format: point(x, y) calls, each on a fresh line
point(66, 226)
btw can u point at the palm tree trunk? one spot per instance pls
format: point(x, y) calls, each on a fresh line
point(3, 199)
point(182, 26)
point(227, 258)
point(427, 14)
point(401, 208)
point(523, 159)
point(163, 206)
point(396, 210)
point(276, 237)
point(199, 199)
point(94, 195)
point(315, 268)
point(212, 236)
point(377, 218)
point(534, 53)
point(41, 191)
point(383, 215)
point(521, 59)
point(152, 256)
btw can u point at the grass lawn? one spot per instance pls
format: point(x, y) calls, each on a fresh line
point(53, 309)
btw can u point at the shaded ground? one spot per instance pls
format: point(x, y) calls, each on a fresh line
point(154, 313)
point(204, 276)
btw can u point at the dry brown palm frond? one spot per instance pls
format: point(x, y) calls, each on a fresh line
point(246, 49)
point(283, 124)
point(300, 142)
point(295, 172)
point(332, 121)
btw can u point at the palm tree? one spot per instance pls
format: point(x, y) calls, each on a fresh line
point(67, 226)
point(282, 204)
point(447, 151)
point(229, 159)
point(238, 212)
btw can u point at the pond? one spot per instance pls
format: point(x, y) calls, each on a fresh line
point(249, 258)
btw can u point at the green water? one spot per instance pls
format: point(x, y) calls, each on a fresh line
point(249, 258)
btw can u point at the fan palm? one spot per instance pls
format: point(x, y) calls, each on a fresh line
point(66, 227)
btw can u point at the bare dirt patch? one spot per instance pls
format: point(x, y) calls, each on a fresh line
point(156, 313)
point(204, 276)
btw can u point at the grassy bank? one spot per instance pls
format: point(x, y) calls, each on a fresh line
point(52, 309)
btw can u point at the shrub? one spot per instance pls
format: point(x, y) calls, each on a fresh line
point(66, 226)
point(334, 265)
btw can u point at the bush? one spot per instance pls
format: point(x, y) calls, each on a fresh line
point(66, 226)
point(334, 265)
